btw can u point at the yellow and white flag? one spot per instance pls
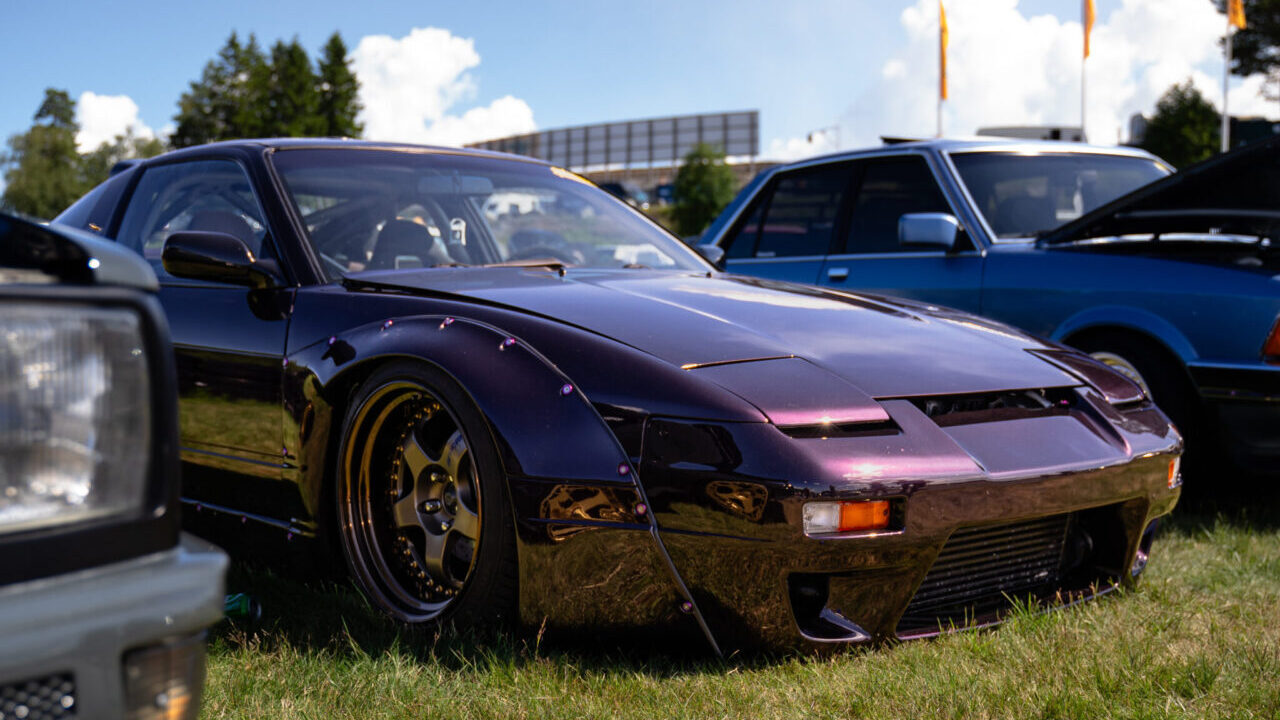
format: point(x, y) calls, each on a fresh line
point(1235, 13)
point(943, 36)
point(1088, 12)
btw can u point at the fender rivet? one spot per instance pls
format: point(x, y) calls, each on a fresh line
point(507, 343)
point(566, 389)
point(446, 323)
point(641, 509)
point(624, 469)
point(387, 324)
point(686, 607)
point(332, 339)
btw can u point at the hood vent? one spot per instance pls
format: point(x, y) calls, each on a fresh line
point(949, 410)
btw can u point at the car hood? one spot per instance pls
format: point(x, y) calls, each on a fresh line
point(1233, 194)
point(883, 348)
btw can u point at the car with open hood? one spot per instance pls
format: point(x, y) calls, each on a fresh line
point(104, 602)
point(504, 395)
point(1169, 278)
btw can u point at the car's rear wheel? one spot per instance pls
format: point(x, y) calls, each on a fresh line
point(422, 507)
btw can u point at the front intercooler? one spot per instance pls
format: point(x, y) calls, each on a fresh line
point(981, 571)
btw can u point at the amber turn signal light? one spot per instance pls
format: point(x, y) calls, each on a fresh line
point(1175, 472)
point(822, 518)
point(1271, 349)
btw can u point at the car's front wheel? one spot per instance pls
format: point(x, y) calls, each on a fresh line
point(422, 505)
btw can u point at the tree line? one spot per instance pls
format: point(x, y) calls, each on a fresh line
point(242, 92)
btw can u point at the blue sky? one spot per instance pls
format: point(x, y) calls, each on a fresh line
point(867, 66)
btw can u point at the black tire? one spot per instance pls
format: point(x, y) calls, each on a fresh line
point(423, 512)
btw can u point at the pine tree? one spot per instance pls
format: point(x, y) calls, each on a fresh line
point(289, 91)
point(339, 92)
point(224, 103)
point(44, 175)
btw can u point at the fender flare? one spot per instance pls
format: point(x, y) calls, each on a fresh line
point(1130, 318)
point(543, 425)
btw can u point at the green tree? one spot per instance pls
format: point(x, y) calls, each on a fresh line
point(43, 174)
point(224, 103)
point(339, 92)
point(289, 93)
point(1185, 127)
point(96, 166)
point(1256, 49)
point(704, 185)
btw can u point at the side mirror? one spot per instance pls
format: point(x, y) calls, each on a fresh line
point(928, 229)
point(713, 254)
point(217, 257)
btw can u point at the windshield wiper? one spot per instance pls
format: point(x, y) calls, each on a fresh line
point(549, 263)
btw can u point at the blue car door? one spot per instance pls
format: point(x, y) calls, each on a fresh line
point(787, 231)
point(869, 258)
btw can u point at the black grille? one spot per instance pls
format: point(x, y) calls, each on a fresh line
point(981, 569)
point(52, 697)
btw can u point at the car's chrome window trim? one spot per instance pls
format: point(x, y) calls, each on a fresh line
point(784, 258)
point(914, 254)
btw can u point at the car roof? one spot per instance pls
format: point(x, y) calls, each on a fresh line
point(981, 144)
point(338, 142)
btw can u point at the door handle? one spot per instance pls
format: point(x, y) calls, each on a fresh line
point(838, 273)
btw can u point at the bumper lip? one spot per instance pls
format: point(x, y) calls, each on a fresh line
point(83, 622)
point(1227, 382)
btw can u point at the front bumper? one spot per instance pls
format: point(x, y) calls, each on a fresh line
point(1243, 403)
point(67, 635)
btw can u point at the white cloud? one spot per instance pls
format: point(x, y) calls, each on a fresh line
point(1005, 68)
point(103, 117)
point(411, 86)
point(814, 143)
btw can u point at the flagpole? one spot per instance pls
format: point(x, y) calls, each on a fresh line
point(1083, 137)
point(1226, 72)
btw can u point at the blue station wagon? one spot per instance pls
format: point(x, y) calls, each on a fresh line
point(1169, 277)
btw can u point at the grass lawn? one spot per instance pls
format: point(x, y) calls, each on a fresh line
point(1200, 637)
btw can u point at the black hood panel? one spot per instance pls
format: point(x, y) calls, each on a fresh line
point(1233, 194)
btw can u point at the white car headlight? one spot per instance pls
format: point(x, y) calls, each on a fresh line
point(75, 415)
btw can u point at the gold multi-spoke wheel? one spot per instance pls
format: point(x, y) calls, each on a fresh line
point(422, 507)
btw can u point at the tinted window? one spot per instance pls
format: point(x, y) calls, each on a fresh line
point(208, 195)
point(1021, 195)
point(93, 211)
point(743, 242)
point(800, 216)
point(385, 210)
point(888, 190)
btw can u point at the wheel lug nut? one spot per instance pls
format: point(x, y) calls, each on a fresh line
point(431, 506)
point(444, 525)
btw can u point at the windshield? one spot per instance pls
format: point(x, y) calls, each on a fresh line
point(1021, 195)
point(367, 209)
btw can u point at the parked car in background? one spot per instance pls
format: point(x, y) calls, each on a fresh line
point(629, 193)
point(665, 194)
point(568, 416)
point(1170, 279)
point(103, 603)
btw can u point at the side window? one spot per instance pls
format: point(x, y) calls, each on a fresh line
point(210, 195)
point(801, 215)
point(93, 211)
point(743, 242)
point(889, 189)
